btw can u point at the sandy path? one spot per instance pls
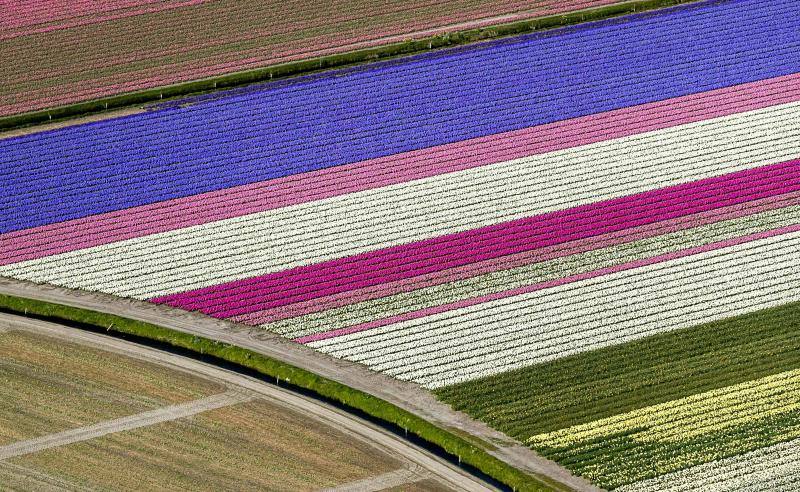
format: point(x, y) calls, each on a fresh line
point(144, 419)
point(406, 395)
point(385, 481)
point(416, 457)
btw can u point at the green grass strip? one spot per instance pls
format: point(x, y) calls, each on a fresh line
point(312, 65)
point(545, 401)
point(457, 446)
point(618, 379)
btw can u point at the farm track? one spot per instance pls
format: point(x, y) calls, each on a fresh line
point(421, 461)
point(394, 478)
point(151, 417)
point(80, 120)
point(407, 396)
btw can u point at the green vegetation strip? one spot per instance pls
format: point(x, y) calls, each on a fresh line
point(356, 57)
point(569, 410)
point(373, 406)
point(594, 385)
point(623, 457)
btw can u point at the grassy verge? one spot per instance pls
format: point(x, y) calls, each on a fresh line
point(303, 67)
point(454, 445)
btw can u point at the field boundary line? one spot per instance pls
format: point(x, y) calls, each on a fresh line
point(43, 481)
point(319, 64)
point(395, 478)
point(403, 407)
point(136, 421)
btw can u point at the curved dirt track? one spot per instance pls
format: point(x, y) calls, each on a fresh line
point(420, 462)
point(405, 395)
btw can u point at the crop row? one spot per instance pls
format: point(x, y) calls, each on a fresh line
point(134, 181)
point(242, 241)
point(678, 434)
point(23, 14)
point(243, 128)
point(500, 313)
point(154, 191)
point(531, 274)
point(307, 102)
point(391, 170)
point(515, 261)
point(777, 466)
point(537, 229)
point(304, 31)
point(587, 389)
point(502, 335)
point(132, 173)
point(306, 187)
point(444, 252)
point(617, 379)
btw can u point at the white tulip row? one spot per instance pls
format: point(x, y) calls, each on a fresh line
point(517, 306)
point(773, 468)
point(502, 335)
point(503, 280)
point(265, 242)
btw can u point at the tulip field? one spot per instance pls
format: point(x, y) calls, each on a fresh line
point(588, 238)
point(147, 43)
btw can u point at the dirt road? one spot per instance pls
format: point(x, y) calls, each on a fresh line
point(144, 419)
point(424, 463)
point(406, 395)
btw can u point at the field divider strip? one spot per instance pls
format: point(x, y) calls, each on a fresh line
point(394, 478)
point(144, 419)
point(511, 464)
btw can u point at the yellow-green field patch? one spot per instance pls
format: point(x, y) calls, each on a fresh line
point(48, 385)
point(248, 446)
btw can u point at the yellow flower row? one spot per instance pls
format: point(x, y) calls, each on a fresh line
point(691, 416)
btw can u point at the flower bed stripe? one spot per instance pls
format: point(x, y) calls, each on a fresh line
point(373, 112)
point(777, 465)
point(178, 213)
point(587, 238)
point(193, 250)
point(317, 305)
point(506, 283)
point(442, 252)
point(43, 18)
point(681, 433)
point(617, 379)
point(59, 63)
point(509, 333)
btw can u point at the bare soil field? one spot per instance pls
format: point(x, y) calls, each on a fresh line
point(255, 445)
